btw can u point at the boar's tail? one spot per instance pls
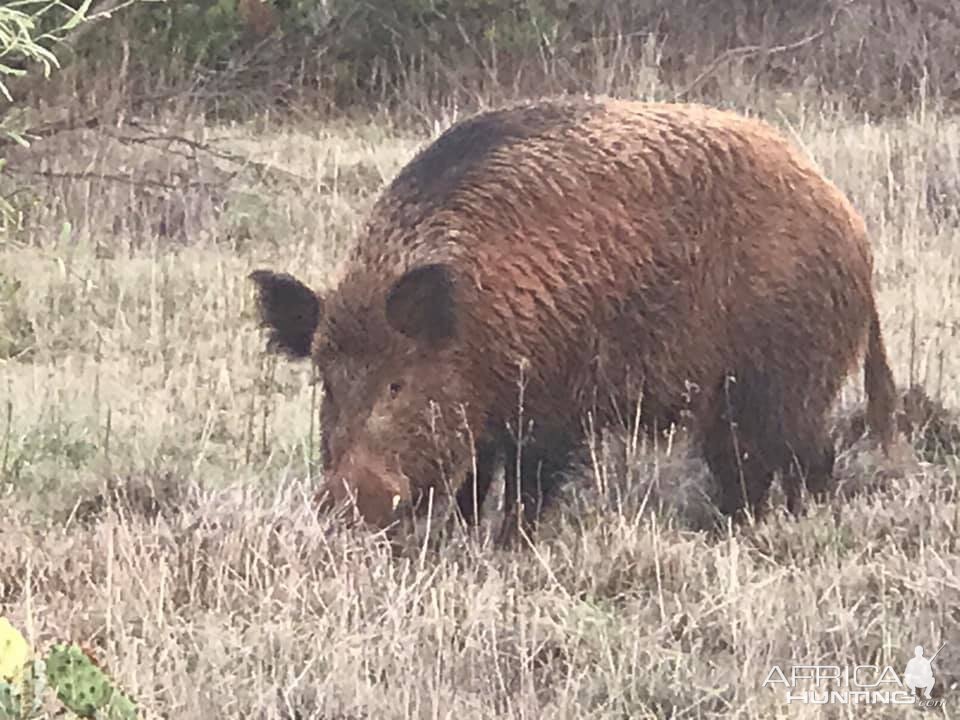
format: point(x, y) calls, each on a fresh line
point(879, 386)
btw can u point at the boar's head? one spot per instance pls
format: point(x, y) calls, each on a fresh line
point(393, 419)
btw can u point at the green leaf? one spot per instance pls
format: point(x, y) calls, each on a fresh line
point(79, 16)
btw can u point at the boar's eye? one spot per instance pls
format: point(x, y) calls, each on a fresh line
point(395, 388)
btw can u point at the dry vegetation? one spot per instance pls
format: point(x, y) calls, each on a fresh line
point(156, 469)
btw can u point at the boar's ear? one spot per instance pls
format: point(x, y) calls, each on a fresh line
point(289, 309)
point(421, 304)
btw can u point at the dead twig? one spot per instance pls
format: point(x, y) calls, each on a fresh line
point(125, 179)
point(104, 11)
point(748, 50)
point(262, 169)
point(92, 122)
point(150, 137)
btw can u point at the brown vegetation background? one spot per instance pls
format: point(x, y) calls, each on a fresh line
point(234, 57)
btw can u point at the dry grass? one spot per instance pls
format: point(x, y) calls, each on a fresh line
point(156, 473)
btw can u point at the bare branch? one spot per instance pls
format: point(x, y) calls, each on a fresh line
point(104, 12)
point(262, 169)
point(111, 177)
point(749, 50)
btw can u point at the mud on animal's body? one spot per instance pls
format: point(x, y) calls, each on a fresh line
point(616, 247)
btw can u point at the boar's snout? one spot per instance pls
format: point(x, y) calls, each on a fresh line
point(376, 490)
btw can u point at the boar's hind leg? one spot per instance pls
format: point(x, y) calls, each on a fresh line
point(760, 428)
point(810, 461)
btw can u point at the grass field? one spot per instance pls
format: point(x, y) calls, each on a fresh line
point(156, 469)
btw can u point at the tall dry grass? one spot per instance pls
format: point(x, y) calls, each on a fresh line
point(156, 469)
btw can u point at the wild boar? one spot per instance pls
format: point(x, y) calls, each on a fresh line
point(547, 260)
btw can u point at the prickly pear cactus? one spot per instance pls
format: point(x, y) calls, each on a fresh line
point(79, 683)
point(24, 701)
point(14, 653)
point(83, 687)
point(21, 681)
point(9, 702)
point(121, 707)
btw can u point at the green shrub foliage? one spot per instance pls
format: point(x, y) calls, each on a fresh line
point(878, 54)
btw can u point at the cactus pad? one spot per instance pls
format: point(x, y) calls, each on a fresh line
point(14, 652)
point(83, 687)
point(9, 702)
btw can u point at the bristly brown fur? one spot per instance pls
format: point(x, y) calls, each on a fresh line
point(682, 252)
